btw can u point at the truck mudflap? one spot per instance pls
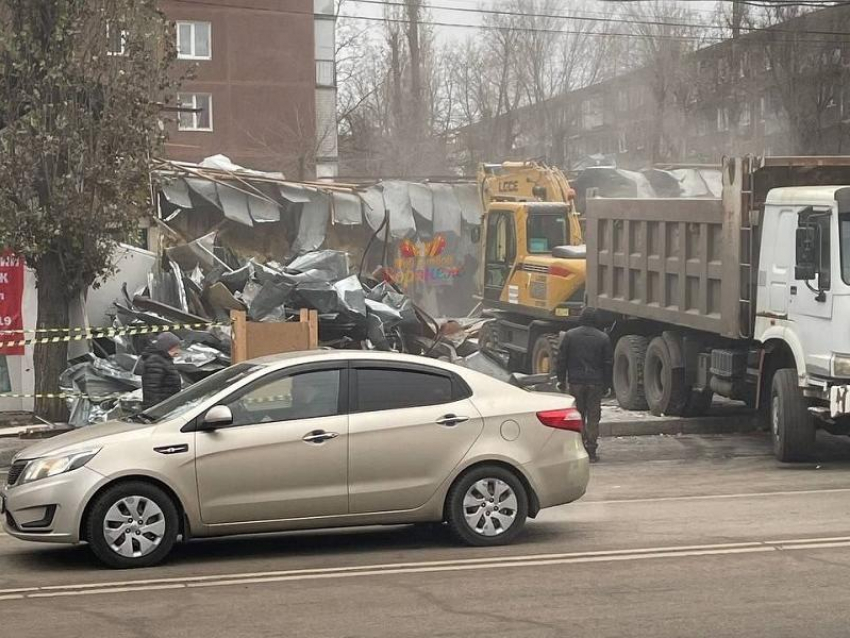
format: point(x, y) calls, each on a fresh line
point(839, 400)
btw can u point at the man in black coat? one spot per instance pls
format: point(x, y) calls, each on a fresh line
point(160, 378)
point(584, 361)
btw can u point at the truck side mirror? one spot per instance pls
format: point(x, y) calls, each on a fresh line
point(807, 253)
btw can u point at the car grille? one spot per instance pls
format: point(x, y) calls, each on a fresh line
point(15, 472)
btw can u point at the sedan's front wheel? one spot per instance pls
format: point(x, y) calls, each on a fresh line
point(132, 525)
point(487, 506)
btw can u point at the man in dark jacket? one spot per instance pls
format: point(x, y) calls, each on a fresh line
point(584, 361)
point(160, 378)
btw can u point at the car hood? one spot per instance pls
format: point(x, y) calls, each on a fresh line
point(91, 435)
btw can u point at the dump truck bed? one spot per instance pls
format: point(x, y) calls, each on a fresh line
point(693, 263)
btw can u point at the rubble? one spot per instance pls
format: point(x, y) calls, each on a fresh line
point(189, 287)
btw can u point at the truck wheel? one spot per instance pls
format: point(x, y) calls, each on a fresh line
point(666, 393)
point(629, 358)
point(545, 354)
point(792, 425)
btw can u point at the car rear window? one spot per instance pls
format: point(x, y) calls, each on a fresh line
point(391, 389)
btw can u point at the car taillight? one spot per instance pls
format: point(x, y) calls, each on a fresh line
point(566, 419)
point(559, 271)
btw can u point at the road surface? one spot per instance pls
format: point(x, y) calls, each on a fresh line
point(677, 536)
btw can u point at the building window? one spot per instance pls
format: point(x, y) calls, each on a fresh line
point(194, 40)
point(622, 144)
point(723, 119)
point(702, 125)
point(325, 73)
point(196, 113)
point(116, 40)
point(622, 100)
point(591, 112)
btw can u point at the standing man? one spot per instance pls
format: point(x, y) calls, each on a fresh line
point(584, 361)
point(160, 378)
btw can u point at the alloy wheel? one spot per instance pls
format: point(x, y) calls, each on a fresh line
point(490, 507)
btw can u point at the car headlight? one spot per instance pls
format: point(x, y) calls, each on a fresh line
point(52, 465)
point(841, 365)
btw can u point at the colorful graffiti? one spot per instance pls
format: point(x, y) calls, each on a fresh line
point(425, 263)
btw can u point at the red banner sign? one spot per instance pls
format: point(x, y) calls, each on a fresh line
point(11, 300)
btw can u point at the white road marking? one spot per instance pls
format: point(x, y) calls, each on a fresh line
point(710, 497)
point(500, 562)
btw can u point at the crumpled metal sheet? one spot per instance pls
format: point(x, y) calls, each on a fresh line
point(263, 211)
point(234, 203)
point(235, 280)
point(400, 303)
point(347, 209)
point(481, 362)
point(397, 202)
point(331, 264)
point(313, 224)
point(422, 200)
point(351, 295)
point(469, 200)
point(296, 194)
point(177, 192)
point(373, 206)
point(447, 212)
point(270, 299)
point(200, 252)
point(205, 189)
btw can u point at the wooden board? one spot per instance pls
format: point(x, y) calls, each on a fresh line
point(258, 339)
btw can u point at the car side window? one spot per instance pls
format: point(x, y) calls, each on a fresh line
point(306, 395)
point(393, 389)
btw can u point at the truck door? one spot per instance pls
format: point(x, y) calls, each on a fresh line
point(810, 302)
point(500, 254)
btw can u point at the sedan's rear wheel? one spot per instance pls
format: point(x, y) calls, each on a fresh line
point(487, 506)
point(132, 525)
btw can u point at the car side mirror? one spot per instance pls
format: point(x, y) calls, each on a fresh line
point(805, 268)
point(218, 416)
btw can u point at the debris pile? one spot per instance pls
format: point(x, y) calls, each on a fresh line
point(197, 285)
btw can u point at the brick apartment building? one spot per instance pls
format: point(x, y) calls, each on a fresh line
point(263, 84)
point(767, 92)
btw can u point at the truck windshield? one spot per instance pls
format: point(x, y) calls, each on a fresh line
point(844, 238)
point(545, 232)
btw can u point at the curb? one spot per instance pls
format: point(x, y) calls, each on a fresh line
point(733, 424)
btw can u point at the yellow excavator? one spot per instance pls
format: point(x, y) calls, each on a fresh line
point(533, 266)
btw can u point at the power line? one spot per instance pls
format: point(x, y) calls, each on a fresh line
point(636, 20)
point(562, 32)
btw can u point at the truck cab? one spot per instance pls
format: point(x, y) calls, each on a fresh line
point(804, 291)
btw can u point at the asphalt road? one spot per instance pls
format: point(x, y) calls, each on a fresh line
point(677, 536)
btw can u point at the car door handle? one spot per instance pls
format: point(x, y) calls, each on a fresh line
point(451, 419)
point(319, 436)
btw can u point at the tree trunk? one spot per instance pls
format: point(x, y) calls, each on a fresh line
point(415, 67)
point(50, 359)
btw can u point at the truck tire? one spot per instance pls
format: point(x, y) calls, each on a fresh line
point(544, 356)
point(792, 426)
point(629, 359)
point(664, 385)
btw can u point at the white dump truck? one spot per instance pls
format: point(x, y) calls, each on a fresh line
point(747, 296)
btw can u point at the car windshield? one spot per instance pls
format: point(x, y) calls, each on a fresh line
point(545, 232)
point(195, 394)
point(844, 237)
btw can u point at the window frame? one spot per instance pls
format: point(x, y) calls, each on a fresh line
point(195, 116)
point(277, 375)
point(816, 218)
point(531, 217)
point(193, 24)
point(460, 388)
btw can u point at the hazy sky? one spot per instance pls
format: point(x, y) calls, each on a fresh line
point(441, 11)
